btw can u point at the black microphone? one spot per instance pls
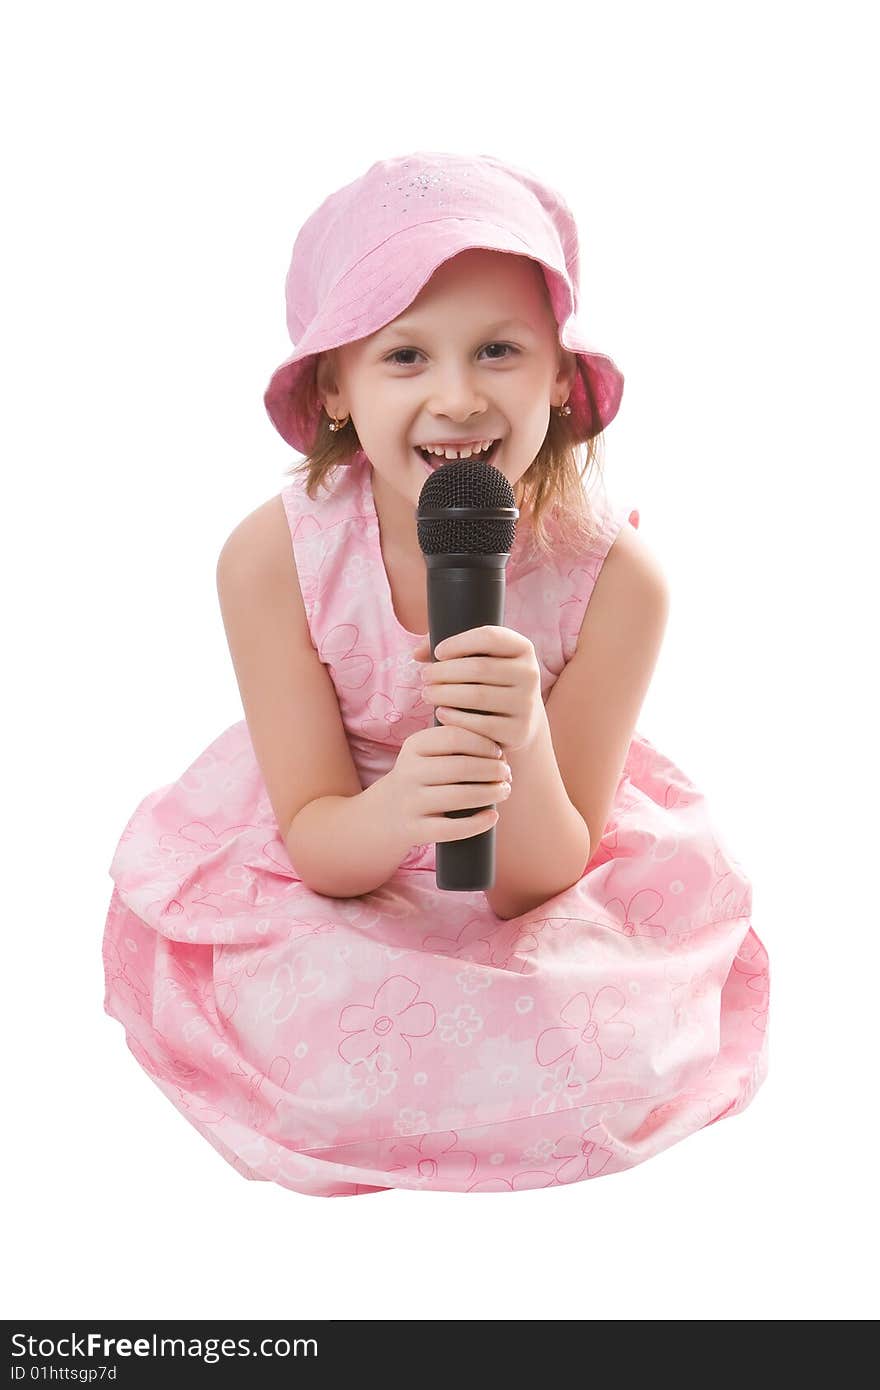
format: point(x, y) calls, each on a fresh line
point(466, 520)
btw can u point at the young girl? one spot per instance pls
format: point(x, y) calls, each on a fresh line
point(276, 947)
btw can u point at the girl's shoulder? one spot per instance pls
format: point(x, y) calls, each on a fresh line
point(257, 565)
point(261, 539)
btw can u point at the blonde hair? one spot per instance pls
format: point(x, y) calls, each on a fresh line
point(554, 485)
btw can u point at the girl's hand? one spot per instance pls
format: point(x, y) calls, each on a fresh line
point(493, 670)
point(440, 776)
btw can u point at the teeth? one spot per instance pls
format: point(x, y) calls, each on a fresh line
point(469, 452)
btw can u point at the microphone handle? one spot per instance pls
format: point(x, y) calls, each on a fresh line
point(463, 592)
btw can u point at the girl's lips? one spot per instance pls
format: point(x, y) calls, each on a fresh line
point(453, 444)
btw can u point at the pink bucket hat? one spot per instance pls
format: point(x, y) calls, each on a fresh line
point(365, 253)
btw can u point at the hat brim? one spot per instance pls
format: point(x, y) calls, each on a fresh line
point(388, 281)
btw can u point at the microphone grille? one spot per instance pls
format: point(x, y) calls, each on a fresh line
point(472, 486)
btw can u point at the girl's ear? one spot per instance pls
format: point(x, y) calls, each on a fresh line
point(325, 375)
point(568, 369)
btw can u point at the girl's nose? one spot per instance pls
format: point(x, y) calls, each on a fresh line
point(458, 401)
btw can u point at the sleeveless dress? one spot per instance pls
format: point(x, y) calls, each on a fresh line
point(410, 1037)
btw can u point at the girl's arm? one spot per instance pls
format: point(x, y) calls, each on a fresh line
point(542, 844)
point(563, 785)
point(341, 845)
point(333, 830)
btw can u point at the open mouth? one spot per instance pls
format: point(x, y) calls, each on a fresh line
point(435, 460)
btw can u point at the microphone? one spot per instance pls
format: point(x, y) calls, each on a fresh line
point(466, 521)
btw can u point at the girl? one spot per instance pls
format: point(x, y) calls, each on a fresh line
point(276, 947)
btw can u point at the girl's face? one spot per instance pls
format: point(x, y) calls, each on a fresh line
point(476, 355)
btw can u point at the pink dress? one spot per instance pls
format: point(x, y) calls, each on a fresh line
point(410, 1037)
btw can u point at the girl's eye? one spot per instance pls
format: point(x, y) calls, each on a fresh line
point(401, 351)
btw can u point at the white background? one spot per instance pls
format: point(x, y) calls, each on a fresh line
point(158, 163)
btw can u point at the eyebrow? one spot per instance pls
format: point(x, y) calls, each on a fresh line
point(405, 330)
